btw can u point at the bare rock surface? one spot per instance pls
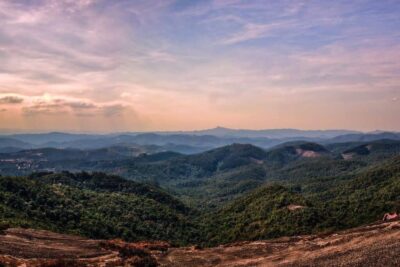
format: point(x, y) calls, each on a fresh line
point(29, 247)
point(372, 245)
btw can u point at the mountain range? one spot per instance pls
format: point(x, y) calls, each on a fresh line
point(185, 142)
point(232, 193)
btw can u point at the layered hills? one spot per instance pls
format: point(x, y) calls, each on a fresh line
point(188, 142)
point(235, 193)
point(94, 205)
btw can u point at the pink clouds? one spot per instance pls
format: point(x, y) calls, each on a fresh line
point(58, 105)
point(180, 64)
point(10, 99)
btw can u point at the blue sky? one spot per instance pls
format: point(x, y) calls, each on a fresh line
point(97, 65)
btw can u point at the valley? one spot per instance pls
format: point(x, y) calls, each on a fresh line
point(222, 202)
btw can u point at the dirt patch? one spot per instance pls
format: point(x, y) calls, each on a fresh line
point(348, 156)
point(308, 153)
point(293, 207)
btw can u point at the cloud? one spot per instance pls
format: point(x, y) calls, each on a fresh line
point(395, 99)
point(162, 56)
point(80, 105)
point(11, 100)
point(99, 59)
point(253, 31)
point(113, 110)
point(54, 105)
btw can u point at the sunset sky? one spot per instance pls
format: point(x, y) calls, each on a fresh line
point(141, 65)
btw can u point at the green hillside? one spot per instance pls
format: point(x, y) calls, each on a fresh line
point(337, 203)
point(292, 151)
point(215, 177)
point(373, 151)
point(237, 192)
point(261, 214)
point(97, 206)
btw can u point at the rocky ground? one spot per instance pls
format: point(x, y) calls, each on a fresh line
point(372, 245)
point(28, 247)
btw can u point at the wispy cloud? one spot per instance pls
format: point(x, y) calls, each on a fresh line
point(183, 64)
point(57, 105)
point(251, 31)
point(11, 100)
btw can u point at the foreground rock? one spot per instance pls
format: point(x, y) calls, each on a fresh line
point(28, 247)
point(374, 245)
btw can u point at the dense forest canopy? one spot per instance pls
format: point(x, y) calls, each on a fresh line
point(232, 193)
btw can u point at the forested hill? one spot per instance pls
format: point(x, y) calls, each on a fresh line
point(101, 183)
point(236, 192)
point(103, 206)
point(336, 203)
point(218, 176)
point(94, 205)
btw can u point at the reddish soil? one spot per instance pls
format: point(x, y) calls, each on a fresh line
point(371, 245)
point(28, 247)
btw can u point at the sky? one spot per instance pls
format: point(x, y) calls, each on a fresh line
point(144, 65)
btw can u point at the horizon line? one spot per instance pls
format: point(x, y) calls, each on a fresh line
point(49, 131)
